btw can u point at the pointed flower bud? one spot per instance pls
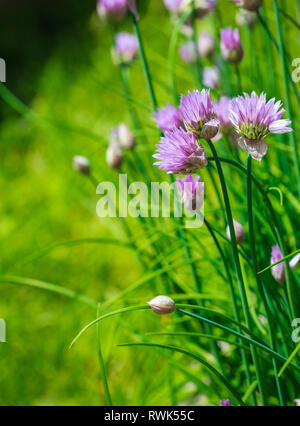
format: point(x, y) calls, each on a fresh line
point(114, 156)
point(162, 305)
point(295, 260)
point(211, 77)
point(114, 10)
point(225, 403)
point(187, 52)
point(239, 232)
point(231, 46)
point(245, 18)
point(125, 50)
point(252, 5)
point(81, 165)
point(205, 44)
point(124, 136)
point(277, 271)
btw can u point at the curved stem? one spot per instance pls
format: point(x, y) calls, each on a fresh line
point(287, 94)
point(258, 278)
point(102, 364)
point(238, 270)
point(144, 62)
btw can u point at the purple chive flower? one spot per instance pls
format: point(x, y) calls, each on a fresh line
point(205, 44)
point(222, 108)
point(231, 46)
point(198, 115)
point(112, 9)
point(126, 47)
point(188, 53)
point(167, 118)
point(252, 5)
point(254, 119)
point(225, 403)
point(277, 271)
point(173, 6)
point(180, 153)
point(211, 77)
point(191, 192)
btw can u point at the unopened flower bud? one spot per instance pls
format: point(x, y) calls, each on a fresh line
point(114, 10)
point(210, 129)
point(125, 137)
point(239, 232)
point(252, 5)
point(245, 17)
point(81, 165)
point(231, 46)
point(295, 260)
point(278, 271)
point(162, 305)
point(211, 77)
point(114, 156)
point(205, 44)
point(297, 401)
point(225, 403)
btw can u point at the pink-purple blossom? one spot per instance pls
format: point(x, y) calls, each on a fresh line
point(205, 44)
point(126, 48)
point(254, 119)
point(188, 52)
point(180, 153)
point(211, 77)
point(252, 5)
point(167, 118)
point(225, 403)
point(239, 232)
point(197, 112)
point(191, 192)
point(231, 46)
point(112, 9)
point(278, 271)
point(173, 5)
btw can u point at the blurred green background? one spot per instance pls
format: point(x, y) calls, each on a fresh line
point(59, 64)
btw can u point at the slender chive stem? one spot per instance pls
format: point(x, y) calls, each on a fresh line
point(277, 232)
point(233, 301)
point(144, 62)
point(257, 276)
point(245, 304)
point(238, 80)
point(198, 60)
point(102, 364)
point(286, 93)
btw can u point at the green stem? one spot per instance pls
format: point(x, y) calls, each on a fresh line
point(144, 63)
point(102, 364)
point(237, 264)
point(287, 94)
point(257, 276)
point(198, 61)
point(234, 303)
